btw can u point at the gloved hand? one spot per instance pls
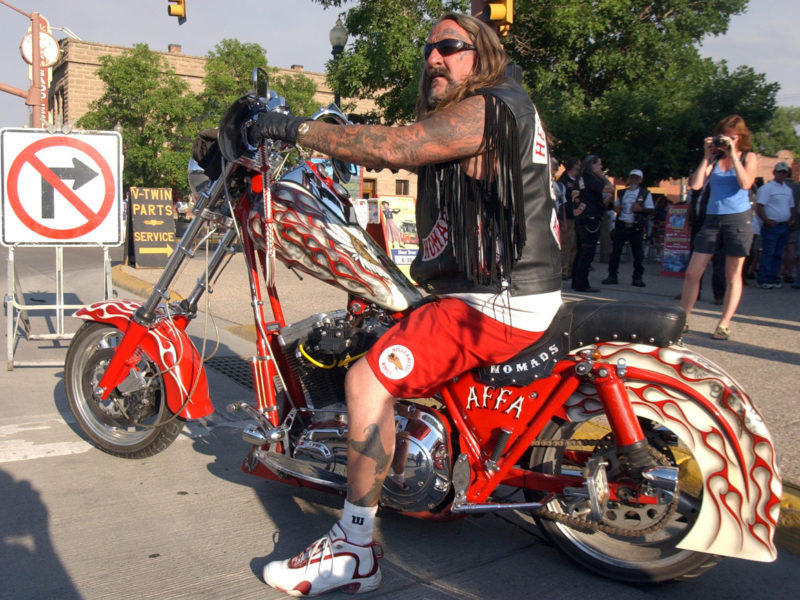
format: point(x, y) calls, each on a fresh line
point(275, 126)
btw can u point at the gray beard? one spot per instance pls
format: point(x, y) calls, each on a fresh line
point(433, 99)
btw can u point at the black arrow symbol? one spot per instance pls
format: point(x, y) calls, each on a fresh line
point(79, 173)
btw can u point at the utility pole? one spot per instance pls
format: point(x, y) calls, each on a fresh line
point(34, 96)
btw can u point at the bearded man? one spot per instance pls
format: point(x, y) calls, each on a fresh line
point(489, 256)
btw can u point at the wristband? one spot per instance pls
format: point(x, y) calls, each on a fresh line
point(301, 132)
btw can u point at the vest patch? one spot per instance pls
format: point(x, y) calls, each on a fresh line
point(540, 143)
point(437, 240)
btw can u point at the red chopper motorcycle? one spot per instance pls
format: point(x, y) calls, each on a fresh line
point(639, 458)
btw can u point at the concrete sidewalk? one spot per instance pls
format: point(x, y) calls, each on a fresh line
point(761, 351)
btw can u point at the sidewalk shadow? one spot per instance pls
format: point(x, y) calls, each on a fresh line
point(30, 567)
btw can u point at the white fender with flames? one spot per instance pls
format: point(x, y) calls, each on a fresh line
point(718, 422)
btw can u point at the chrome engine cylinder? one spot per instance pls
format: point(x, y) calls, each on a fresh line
point(421, 470)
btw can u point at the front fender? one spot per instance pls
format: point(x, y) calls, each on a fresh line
point(170, 348)
point(716, 419)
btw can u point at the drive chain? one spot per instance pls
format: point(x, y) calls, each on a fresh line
point(584, 524)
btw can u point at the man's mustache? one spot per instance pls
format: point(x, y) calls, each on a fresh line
point(439, 72)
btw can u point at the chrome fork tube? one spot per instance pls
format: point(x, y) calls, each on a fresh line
point(161, 288)
point(215, 262)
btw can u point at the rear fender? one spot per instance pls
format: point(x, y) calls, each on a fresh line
point(718, 422)
point(170, 348)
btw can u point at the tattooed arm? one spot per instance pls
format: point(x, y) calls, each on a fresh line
point(453, 133)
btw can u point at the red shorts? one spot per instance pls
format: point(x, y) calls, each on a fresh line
point(439, 341)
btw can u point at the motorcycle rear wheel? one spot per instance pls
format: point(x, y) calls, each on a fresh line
point(652, 558)
point(137, 424)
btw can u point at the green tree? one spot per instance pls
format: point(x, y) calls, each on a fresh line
point(780, 133)
point(154, 111)
point(229, 69)
point(622, 78)
point(385, 58)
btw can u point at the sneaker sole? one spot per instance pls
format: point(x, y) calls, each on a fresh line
point(368, 584)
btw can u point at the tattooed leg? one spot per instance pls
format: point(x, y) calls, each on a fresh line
point(371, 435)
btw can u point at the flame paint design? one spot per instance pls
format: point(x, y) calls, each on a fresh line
point(169, 347)
point(311, 239)
point(720, 425)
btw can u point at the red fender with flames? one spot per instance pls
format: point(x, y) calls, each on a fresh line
point(170, 348)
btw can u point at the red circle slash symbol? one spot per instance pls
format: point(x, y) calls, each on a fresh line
point(51, 179)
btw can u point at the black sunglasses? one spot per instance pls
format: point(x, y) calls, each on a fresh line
point(446, 47)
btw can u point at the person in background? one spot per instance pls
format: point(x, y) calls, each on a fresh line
point(775, 208)
point(791, 256)
point(566, 217)
point(632, 208)
point(730, 169)
point(588, 218)
point(752, 260)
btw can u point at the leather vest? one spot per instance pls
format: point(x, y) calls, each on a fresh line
point(537, 265)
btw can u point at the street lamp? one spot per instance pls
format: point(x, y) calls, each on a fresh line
point(338, 38)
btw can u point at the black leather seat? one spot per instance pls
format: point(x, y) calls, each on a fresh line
point(587, 322)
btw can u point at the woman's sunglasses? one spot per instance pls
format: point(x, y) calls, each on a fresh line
point(446, 47)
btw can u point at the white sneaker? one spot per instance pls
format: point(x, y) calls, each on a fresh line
point(330, 563)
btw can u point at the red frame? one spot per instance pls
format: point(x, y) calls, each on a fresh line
point(534, 405)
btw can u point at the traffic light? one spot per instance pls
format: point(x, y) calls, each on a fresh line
point(500, 14)
point(177, 8)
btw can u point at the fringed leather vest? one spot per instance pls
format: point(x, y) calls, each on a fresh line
point(484, 236)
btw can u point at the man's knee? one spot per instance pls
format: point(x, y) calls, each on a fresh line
point(361, 384)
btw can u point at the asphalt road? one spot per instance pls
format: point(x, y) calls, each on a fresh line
point(188, 523)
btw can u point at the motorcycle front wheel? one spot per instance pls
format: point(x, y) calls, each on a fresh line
point(649, 558)
point(133, 424)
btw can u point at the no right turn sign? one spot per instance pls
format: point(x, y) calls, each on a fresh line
point(61, 189)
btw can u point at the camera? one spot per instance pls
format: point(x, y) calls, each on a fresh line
point(718, 142)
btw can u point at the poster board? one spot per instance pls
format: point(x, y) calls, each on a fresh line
point(675, 257)
point(397, 216)
point(152, 226)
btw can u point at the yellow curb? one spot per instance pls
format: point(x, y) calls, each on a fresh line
point(787, 536)
point(247, 332)
point(120, 278)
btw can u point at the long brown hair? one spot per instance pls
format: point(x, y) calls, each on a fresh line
point(736, 125)
point(490, 64)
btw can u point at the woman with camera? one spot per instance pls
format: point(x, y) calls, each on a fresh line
point(728, 169)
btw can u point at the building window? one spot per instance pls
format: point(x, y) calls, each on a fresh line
point(369, 188)
point(401, 187)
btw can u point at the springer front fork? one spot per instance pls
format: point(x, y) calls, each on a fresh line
point(125, 356)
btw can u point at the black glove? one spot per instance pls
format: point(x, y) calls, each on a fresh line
point(275, 126)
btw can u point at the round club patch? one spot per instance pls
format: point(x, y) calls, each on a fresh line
point(396, 362)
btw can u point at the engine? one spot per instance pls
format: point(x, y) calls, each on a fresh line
point(319, 350)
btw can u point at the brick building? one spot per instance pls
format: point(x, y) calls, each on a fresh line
point(75, 85)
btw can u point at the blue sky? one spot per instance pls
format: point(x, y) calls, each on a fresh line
point(767, 37)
